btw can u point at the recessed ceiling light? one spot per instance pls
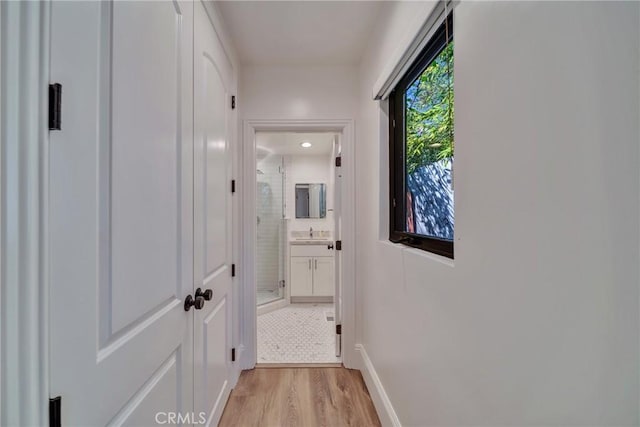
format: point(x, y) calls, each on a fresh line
point(305, 145)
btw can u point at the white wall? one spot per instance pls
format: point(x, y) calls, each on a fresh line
point(298, 92)
point(307, 170)
point(536, 320)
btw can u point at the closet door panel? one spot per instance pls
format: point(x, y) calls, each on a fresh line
point(212, 218)
point(120, 211)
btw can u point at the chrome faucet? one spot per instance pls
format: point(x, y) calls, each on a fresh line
point(311, 232)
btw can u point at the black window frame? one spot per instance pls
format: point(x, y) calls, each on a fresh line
point(397, 146)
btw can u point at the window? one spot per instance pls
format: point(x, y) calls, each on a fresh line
point(421, 148)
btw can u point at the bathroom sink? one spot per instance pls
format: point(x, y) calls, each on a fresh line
point(310, 241)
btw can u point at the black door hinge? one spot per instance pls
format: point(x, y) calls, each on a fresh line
point(55, 106)
point(338, 161)
point(233, 102)
point(338, 329)
point(233, 354)
point(233, 185)
point(233, 270)
point(338, 245)
point(55, 411)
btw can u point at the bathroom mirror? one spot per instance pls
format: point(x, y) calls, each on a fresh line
point(311, 200)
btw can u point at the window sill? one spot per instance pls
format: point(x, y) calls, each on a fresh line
point(428, 255)
point(419, 252)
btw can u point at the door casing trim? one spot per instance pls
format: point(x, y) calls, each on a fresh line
point(248, 321)
point(24, 138)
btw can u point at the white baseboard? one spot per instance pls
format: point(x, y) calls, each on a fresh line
point(245, 359)
point(386, 413)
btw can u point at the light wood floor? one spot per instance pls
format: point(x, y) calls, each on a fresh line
point(300, 397)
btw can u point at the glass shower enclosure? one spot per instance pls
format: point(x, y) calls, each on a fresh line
point(271, 244)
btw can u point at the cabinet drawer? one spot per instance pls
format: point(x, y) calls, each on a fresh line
point(312, 250)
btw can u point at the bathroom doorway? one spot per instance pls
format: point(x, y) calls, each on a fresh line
point(295, 251)
point(337, 310)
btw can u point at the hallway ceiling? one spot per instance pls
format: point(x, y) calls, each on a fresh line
point(288, 144)
point(299, 32)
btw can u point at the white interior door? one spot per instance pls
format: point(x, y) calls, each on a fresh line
point(337, 271)
point(120, 211)
point(212, 218)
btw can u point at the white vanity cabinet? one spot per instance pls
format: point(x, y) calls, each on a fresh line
point(323, 276)
point(301, 276)
point(311, 270)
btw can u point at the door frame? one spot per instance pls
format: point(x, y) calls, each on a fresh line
point(345, 127)
point(24, 137)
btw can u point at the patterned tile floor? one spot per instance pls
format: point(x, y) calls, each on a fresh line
point(298, 333)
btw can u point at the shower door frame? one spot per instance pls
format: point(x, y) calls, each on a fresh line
point(247, 351)
point(284, 300)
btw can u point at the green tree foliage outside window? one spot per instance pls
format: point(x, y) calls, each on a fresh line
point(429, 113)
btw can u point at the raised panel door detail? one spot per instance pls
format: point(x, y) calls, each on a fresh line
point(301, 276)
point(160, 393)
point(215, 358)
point(216, 182)
point(145, 158)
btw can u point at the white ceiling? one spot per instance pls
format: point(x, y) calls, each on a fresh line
point(299, 32)
point(288, 144)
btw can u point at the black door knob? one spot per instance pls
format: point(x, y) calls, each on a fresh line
point(330, 246)
point(207, 295)
point(197, 302)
